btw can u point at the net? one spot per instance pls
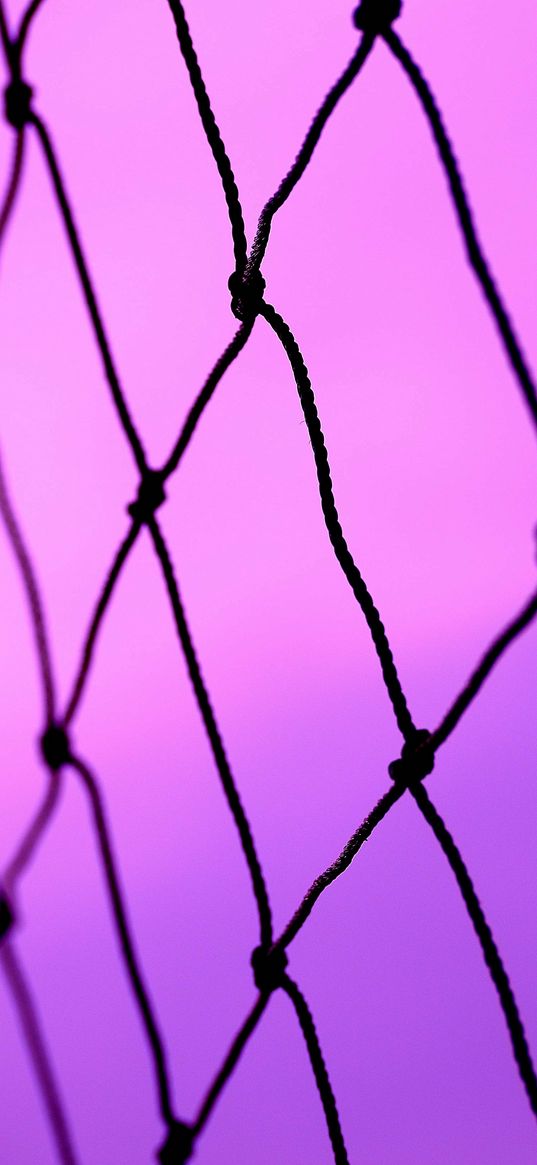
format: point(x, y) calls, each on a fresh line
point(374, 19)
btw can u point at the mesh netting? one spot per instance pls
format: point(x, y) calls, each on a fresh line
point(408, 773)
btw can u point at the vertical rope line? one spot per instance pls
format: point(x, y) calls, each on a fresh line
point(214, 737)
point(489, 949)
point(35, 1041)
point(122, 927)
point(474, 249)
point(333, 524)
point(101, 608)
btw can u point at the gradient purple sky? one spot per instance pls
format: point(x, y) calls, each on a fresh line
point(435, 468)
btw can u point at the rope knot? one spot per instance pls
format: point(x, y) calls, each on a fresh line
point(247, 290)
point(17, 103)
point(269, 968)
point(150, 496)
point(177, 1148)
point(376, 16)
point(7, 917)
point(416, 760)
point(55, 747)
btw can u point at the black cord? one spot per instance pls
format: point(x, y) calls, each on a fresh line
point(126, 942)
point(487, 942)
point(39, 1054)
point(461, 204)
point(333, 525)
point(320, 1071)
point(214, 736)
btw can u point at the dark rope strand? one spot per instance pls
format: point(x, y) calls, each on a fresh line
point(86, 284)
point(306, 151)
point(476, 256)
point(8, 46)
point(320, 1071)
point(481, 673)
point(39, 1055)
point(33, 596)
point(24, 26)
point(126, 943)
point(230, 1063)
point(13, 186)
point(333, 525)
point(342, 863)
point(33, 835)
point(212, 133)
point(205, 395)
point(214, 736)
point(489, 949)
point(101, 608)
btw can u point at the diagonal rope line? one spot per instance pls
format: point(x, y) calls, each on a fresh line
point(320, 1071)
point(33, 596)
point(204, 397)
point(474, 248)
point(341, 863)
point(13, 186)
point(126, 941)
point(333, 524)
point(305, 154)
point(101, 609)
point(491, 954)
point(86, 285)
point(214, 736)
point(512, 632)
point(25, 25)
point(212, 133)
point(40, 1057)
point(27, 848)
point(230, 1063)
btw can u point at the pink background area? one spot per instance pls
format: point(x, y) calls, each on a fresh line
point(435, 469)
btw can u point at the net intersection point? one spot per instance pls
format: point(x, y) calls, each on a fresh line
point(269, 967)
point(178, 1146)
point(416, 761)
point(18, 103)
point(374, 16)
point(150, 497)
point(55, 747)
point(247, 291)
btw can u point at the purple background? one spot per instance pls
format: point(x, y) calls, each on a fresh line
point(434, 471)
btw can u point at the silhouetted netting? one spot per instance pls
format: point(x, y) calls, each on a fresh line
point(373, 19)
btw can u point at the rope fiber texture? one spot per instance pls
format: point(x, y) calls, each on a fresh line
point(374, 19)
